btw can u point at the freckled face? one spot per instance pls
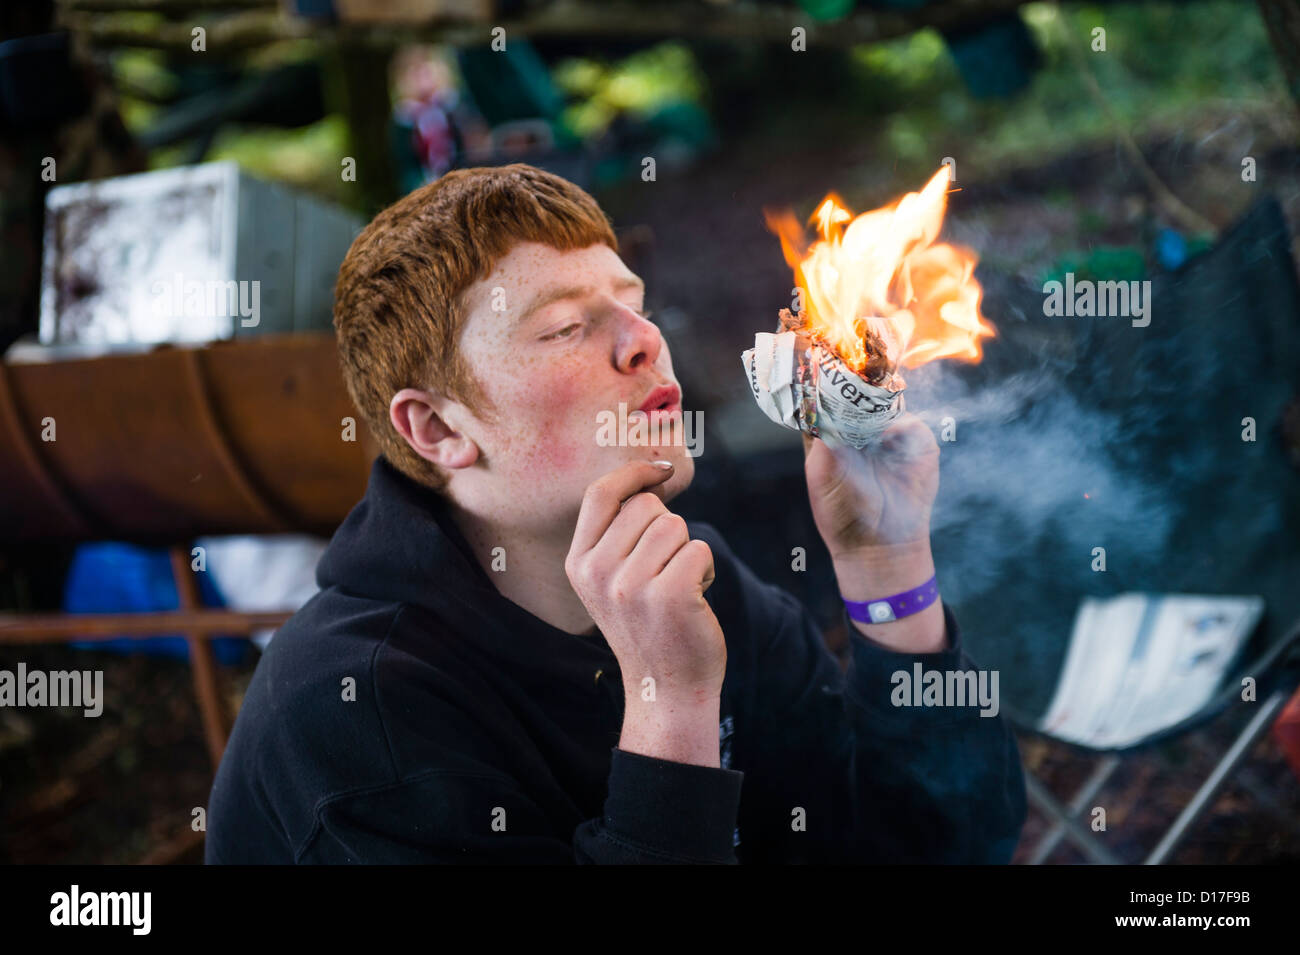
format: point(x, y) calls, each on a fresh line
point(556, 339)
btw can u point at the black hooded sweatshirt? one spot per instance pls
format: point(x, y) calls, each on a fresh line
point(410, 713)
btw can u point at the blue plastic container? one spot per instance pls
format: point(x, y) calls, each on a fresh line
point(112, 577)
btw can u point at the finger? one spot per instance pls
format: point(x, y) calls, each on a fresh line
point(807, 443)
point(663, 538)
point(604, 497)
point(821, 458)
point(692, 566)
point(909, 436)
point(621, 537)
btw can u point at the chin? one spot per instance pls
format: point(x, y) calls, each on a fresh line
point(681, 480)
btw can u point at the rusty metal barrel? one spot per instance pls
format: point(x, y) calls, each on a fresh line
point(246, 436)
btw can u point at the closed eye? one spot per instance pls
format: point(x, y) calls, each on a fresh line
point(563, 332)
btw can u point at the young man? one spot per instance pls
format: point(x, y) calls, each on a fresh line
point(520, 654)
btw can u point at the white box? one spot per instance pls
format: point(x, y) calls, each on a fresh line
point(187, 255)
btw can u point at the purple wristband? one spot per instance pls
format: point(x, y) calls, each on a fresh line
point(893, 608)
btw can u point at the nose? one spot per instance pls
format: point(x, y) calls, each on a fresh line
point(639, 342)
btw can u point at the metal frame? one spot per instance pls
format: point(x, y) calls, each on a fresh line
point(1065, 817)
point(199, 626)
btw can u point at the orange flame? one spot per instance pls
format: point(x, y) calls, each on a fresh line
point(883, 272)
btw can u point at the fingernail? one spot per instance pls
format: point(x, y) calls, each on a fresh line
point(663, 465)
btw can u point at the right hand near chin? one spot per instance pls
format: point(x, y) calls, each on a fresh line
point(641, 577)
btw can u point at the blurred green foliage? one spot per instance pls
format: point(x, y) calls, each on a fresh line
point(640, 84)
point(1102, 263)
point(1162, 65)
point(307, 157)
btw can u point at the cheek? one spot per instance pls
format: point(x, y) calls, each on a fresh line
point(553, 436)
point(556, 449)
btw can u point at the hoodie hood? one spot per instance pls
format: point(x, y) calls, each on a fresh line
point(400, 544)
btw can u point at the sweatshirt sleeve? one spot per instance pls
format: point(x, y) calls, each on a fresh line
point(656, 812)
point(659, 811)
point(835, 772)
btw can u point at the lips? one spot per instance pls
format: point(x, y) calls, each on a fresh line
point(663, 398)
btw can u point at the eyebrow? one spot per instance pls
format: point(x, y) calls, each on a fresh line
point(551, 296)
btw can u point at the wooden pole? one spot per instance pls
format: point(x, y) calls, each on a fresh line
point(562, 18)
point(29, 628)
point(1282, 20)
point(357, 86)
point(202, 662)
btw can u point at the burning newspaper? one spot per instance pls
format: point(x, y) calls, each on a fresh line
point(807, 387)
point(878, 294)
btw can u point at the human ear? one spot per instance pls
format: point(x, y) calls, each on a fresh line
point(428, 423)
